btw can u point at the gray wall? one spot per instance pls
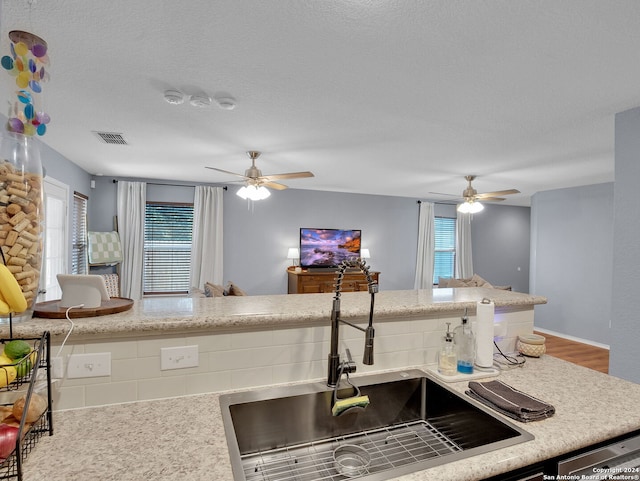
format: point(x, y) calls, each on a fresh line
point(571, 260)
point(58, 167)
point(256, 239)
point(257, 236)
point(625, 323)
point(500, 240)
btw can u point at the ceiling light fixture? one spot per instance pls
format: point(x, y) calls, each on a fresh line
point(226, 103)
point(470, 207)
point(253, 192)
point(174, 97)
point(200, 100)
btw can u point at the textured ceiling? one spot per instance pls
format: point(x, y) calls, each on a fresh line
point(381, 97)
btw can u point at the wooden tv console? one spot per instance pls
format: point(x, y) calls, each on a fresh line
point(316, 281)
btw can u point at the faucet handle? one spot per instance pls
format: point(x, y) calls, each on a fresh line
point(348, 353)
point(349, 365)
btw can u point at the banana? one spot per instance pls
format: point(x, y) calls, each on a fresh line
point(4, 307)
point(11, 291)
point(8, 374)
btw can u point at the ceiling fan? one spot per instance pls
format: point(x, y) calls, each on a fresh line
point(256, 184)
point(471, 198)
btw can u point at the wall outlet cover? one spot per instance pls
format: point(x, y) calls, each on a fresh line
point(178, 357)
point(89, 365)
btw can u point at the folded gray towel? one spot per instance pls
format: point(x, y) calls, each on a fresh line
point(509, 401)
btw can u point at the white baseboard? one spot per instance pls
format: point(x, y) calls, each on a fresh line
point(571, 338)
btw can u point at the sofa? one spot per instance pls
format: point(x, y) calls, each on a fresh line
point(216, 290)
point(474, 281)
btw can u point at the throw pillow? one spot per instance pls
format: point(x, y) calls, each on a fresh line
point(477, 281)
point(196, 293)
point(457, 283)
point(213, 290)
point(444, 281)
point(233, 290)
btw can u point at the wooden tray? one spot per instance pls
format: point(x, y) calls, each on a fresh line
point(52, 309)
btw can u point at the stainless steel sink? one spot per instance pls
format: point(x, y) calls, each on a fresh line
point(412, 423)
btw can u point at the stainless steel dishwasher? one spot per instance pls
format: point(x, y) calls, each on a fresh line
point(619, 460)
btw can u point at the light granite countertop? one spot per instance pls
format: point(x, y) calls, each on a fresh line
point(163, 315)
point(183, 438)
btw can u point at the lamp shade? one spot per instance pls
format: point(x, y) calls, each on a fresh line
point(293, 253)
point(365, 254)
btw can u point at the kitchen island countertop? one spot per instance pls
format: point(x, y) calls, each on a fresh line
point(154, 316)
point(183, 438)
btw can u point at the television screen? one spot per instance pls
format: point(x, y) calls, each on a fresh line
point(328, 247)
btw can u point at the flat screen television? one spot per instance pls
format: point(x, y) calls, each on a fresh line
point(328, 247)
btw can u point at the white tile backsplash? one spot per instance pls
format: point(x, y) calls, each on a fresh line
point(243, 378)
point(208, 382)
point(256, 358)
point(159, 388)
point(112, 393)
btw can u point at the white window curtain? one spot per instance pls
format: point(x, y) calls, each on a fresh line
point(206, 248)
point(132, 199)
point(426, 240)
point(464, 260)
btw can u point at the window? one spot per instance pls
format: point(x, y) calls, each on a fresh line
point(79, 235)
point(167, 248)
point(444, 247)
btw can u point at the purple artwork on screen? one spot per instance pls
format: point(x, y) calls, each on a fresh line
point(328, 247)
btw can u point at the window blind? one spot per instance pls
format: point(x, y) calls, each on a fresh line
point(79, 264)
point(167, 247)
point(444, 247)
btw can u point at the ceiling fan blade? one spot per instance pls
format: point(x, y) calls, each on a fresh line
point(491, 199)
point(448, 195)
point(274, 185)
point(497, 193)
point(290, 175)
point(236, 181)
point(226, 172)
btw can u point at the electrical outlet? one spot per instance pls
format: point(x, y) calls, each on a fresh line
point(57, 367)
point(500, 328)
point(178, 357)
point(89, 365)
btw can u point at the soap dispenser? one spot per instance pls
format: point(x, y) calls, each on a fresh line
point(447, 357)
point(465, 346)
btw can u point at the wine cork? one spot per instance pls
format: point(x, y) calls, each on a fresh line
point(12, 237)
point(17, 218)
point(20, 275)
point(22, 225)
point(13, 209)
point(23, 242)
point(15, 250)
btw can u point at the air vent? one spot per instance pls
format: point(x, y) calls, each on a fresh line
point(111, 138)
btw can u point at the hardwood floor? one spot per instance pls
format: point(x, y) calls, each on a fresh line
point(586, 355)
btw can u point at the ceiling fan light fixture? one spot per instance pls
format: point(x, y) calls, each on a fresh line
point(253, 192)
point(470, 207)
